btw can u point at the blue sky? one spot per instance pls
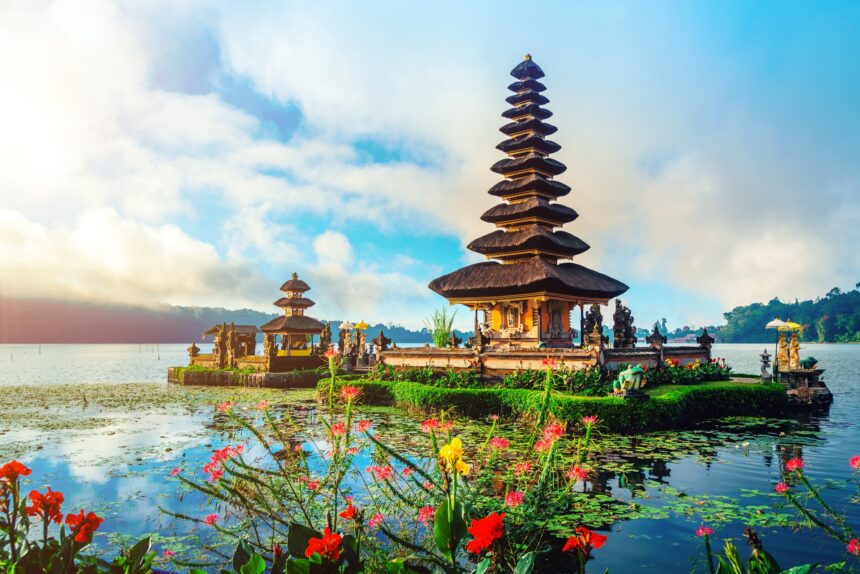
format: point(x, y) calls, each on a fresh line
point(199, 153)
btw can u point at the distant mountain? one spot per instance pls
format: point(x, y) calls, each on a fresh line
point(835, 317)
point(44, 321)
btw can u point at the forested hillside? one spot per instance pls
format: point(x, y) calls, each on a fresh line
point(830, 319)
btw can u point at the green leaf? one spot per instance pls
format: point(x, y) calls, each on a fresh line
point(526, 564)
point(297, 539)
point(805, 569)
point(302, 566)
point(197, 571)
point(241, 555)
point(483, 566)
point(137, 554)
point(449, 528)
point(255, 565)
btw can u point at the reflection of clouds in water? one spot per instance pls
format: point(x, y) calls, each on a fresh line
point(92, 455)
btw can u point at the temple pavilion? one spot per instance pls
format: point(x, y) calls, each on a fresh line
point(294, 327)
point(529, 286)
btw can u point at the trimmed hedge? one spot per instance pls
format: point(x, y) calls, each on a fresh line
point(669, 406)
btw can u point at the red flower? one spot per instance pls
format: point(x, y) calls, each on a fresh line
point(376, 520)
point(262, 405)
point(407, 472)
point(794, 464)
point(426, 514)
point(363, 425)
point(446, 426)
point(338, 429)
point(485, 531)
point(350, 393)
point(350, 513)
point(225, 407)
point(11, 471)
point(175, 471)
point(781, 488)
point(353, 450)
point(584, 541)
point(589, 420)
point(854, 546)
point(46, 506)
point(211, 519)
point(704, 531)
point(514, 498)
point(83, 526)
point(380, 472)
point(523, 467)
point(328, 546)
point(429, 425)
point(168, 554)
point(549, 363)
point(499, 443)
point(542, 445)
point(855, 462)
point(577, 473)
point(553, 432)
point(330, 353)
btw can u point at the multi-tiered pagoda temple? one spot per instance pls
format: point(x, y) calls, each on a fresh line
point(295, 328)
point(527, 295)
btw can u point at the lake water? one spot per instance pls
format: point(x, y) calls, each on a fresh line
point(99, 423)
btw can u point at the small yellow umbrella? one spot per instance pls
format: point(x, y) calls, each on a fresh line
point(791, 326)
point(361, 325)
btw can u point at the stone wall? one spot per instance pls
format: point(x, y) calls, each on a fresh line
point(293, 380)
point(490, 362)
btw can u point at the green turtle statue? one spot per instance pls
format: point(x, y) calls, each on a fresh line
point(808, 363)
point(630, 382)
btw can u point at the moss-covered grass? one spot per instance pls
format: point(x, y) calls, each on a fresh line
point(670, 406)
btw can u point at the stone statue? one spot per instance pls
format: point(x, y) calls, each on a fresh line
point(454, 341)
point(705, 340)
point(361, 338)
point(193, 350)
point(794, 353)
point(270, 349)
point(623, 330)
point(219, 348)
point(656, 339)
point(381, 343)
point(232, 344)
point(765, 366)
point(341, 341)
point(782, 354)
point(325, 339)
point(593, 317)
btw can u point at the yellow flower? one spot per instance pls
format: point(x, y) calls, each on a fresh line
point(452, 452)
point(462, 468)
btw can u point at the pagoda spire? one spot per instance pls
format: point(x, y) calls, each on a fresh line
point(528, 218)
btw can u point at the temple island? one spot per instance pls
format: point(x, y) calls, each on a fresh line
point(534, 307)
point(527, 296)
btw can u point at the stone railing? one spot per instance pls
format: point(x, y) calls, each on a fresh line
point(490, 362)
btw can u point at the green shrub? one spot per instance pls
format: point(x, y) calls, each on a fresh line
point(669, 407)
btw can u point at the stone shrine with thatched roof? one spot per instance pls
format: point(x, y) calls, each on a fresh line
point(530, 285)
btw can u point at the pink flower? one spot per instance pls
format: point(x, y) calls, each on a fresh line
point(175, 471)
point(429, 425)
point(376, 520)
point(311, 484)
point(494, 417)
point(446, 426)
point(781, 488)
point(427, 485)
point(216, 475)
point(794, 464)
point(225, 407)
point(338, 429)
point(514, 498)
point(523, 467)
point(363, 425)
point(380, 472)
point(426, 514)
point(330, 353)
point(553, 432)
point(263, 405)
point(854, 546)
point(549, 363)
point(704, 531)
point(855, 462)
point(542, 445)
point(407, 472)
point(168, 554)
point(577, 473)
point(350, 393)
point(589, 420)
point(211, 519)
point(499, 443)
point(353, 450)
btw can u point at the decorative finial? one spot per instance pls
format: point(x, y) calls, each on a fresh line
point(295, 275)
point(527, 57)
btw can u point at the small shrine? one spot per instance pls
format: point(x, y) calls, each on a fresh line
point(529, 287)
point(292, 334)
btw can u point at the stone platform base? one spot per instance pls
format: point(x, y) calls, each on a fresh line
point(296, 380)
